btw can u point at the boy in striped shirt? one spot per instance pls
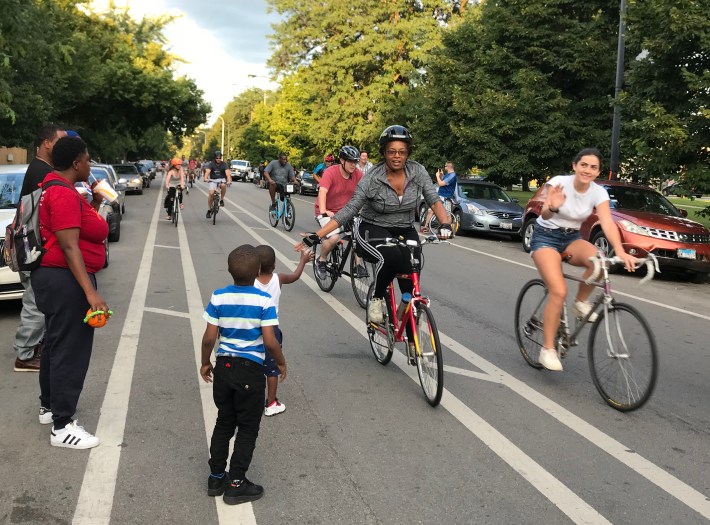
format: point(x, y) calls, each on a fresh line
point(244, 318)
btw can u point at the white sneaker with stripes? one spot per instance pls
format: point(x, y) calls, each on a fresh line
point(73, 436)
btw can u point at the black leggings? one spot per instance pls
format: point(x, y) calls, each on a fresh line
point(170, 198)
point(390, 260)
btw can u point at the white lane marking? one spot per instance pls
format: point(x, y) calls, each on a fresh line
point(166, 246)
point(656, 475)
point(99, 484)
point(226, 514)
point(470, 373)
point(163, 311)
point(561, 496)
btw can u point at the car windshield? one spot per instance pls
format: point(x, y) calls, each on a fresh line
point(640, 199)
point(100, 174)
point(125, 170)
point(307, 176)
point(483, 192)
point(10, 188)
point(241, 163)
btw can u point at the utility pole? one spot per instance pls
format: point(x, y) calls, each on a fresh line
point(616, 124)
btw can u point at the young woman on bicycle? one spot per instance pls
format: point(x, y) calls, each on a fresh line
point(569, 201)
point(174, 178)
point(386, 199)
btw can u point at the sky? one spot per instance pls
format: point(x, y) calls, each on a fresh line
point(222, 41)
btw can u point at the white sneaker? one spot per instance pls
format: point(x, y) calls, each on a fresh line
point(45, 416)
point(582, 308)
point(375, 310)
point(73, 436)
point(274, 408)
point(548, 358)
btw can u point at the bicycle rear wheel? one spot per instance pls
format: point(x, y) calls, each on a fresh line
point(529, 311)
point(274, 215)
point(289, 216)
point(381, 336)
point(430, 361)
point(361, 277)
point(176, 211)
point(331, 268)
point(215, 211)
point(622, 357)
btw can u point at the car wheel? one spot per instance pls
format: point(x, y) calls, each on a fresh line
point(123, 208)
point(116, 235)
point(527, 233)
point(422, 212)
point(140, 191)
point(106, 252)
point(699, 277)
point(458, 217)
point(602, 243)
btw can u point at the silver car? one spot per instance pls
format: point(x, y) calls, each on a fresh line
point(485, 207)
point(128, 174)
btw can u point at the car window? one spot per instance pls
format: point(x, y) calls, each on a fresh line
point(10, 188)
point(639, 199)
point(481, 192)
point(100, 173)
point(125, 170)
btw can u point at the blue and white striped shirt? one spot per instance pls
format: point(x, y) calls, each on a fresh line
point(240, 312)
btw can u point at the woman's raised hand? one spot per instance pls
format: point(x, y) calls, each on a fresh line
point(557, 196)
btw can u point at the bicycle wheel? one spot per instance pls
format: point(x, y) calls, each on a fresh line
point(289, 216)
point(176, 210)
point(529, 311)
point(331, 268)
point(274, 215)
point(622, 357)
point(361, 277)
point(430, 361)
point(381, 336)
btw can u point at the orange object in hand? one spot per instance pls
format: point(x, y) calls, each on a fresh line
point(96, 319)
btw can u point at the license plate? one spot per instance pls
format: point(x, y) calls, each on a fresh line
point(506, 225)
point(289, 188)
point(686, 253)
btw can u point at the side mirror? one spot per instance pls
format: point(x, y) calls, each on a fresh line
point(120, 187)
point(515, 199)
point(683, 212)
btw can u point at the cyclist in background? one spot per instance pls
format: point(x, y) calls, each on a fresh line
point(217, 174)
point(447, 188)
point(569, 201)
point(337, 187)
point(279, 173)
point(174, 179)
point(386, 199)
point(191, 167)
point(327, 163)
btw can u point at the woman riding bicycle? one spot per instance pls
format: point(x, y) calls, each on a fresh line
point(386, 199)
point(175, 178)
point(569, 201)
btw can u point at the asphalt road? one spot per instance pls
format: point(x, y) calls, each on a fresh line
point(357, 443)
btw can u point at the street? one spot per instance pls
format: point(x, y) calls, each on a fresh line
point(358, 443)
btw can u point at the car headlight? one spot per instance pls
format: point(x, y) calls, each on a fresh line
point(633, 228)
point(137, 180)
point(473, 209)
point(122, 180)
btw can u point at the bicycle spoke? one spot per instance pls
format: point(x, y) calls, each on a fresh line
point(430, 366)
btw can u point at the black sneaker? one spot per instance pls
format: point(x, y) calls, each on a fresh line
point(321, 269)
point(272, 207)
point(209, 214)
point(216, 486)
point(221, 202)
point(242, 490)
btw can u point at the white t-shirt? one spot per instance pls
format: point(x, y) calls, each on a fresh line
point(577, 207)
point(273, 288)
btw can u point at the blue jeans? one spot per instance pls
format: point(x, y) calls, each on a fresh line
point(554, 238)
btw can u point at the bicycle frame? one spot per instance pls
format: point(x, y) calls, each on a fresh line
point(400, 325)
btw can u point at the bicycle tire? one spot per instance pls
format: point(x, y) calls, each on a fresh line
point(289, 219)
point(381, 336)
point(215, 211)
point(430, 359)
point(274, 215)
point(331, 268)
point(361, 285)
point(637, 342)
point(175, 210)
point(529, 309)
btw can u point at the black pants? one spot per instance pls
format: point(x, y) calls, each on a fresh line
point(170, 198)
point(390, 260)
point(238, 392)
point(67, 341)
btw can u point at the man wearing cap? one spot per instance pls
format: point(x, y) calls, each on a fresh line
point(29, 335)
point(327, 163)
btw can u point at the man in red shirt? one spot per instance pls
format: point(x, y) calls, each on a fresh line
point(337, 186)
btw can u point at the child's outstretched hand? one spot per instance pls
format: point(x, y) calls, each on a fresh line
point(282, 369)
point(206, 372)
point(307, 255)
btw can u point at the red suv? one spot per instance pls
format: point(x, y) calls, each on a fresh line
point(647, 221)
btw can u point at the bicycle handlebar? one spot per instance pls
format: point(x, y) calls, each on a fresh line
point(650, 261)
point(406, 243)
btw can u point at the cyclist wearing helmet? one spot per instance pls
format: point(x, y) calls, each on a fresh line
point(386, 199)
point(337, 187)
point(318, 170)
point(217, 174)
point(174, 178)
point(278, 173)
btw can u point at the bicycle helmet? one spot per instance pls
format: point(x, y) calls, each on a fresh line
point(329, 158)
point(176, 162)
point(217, 154)
point(350, 153)
point(392, 133)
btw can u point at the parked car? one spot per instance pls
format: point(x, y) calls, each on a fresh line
point(150, 167)
point(11, 178)
point(145, 174)
point(308, 184)
point(680, 190)
point(647, 222)
point(105, 171)
point(111, 215)
point(484, 207)
point(128, 174)
point(240, 170)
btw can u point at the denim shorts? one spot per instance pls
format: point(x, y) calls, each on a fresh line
point(554, 238)
point(271, 369)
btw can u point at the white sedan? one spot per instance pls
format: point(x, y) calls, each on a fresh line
point(11, 178)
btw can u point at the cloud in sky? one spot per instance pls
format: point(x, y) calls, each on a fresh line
point(221, 42)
